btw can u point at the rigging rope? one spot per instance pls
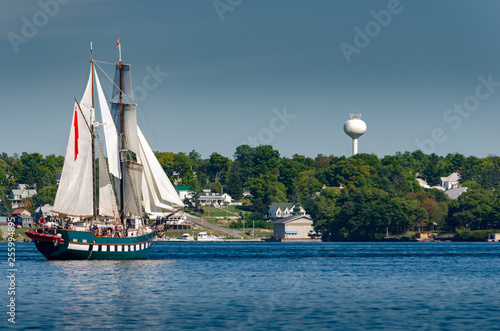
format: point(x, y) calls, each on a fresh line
point(98, 66)
point(104, 62)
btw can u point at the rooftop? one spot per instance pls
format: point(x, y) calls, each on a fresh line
point(291, 219)
point(454, 177)
point(283, 205)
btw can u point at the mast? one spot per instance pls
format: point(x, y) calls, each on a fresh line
point(122, 136)
point(92, 125)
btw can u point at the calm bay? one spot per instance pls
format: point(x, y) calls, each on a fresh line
point(263, 286)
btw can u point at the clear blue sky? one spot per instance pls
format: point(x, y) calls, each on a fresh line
point(231, 62)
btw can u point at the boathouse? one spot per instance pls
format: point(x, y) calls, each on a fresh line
point(294, 228)
point(493, 237)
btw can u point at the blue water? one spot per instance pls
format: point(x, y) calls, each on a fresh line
point(263, 286)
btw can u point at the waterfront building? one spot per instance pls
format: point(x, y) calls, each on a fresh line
point(493, 237)
point(294, 228)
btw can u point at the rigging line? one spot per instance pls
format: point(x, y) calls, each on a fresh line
point(98, 66)
point(104, 62)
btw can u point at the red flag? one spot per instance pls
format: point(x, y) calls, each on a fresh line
point(118, 43)
point(76, 134)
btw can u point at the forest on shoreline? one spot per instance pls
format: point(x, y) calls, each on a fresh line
point(379, 196)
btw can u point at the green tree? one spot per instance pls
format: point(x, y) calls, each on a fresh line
point(289, 170)
point(245, 156)
point(166, 161)
point(218, 166)
point(475, 210)
point(234, 183)
point(305, 185)
point(44, 196)
point(350, 173)
point(268, 189)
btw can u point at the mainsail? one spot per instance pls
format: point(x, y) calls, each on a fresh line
point(75, 192)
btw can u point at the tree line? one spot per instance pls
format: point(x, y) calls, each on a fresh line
point(379, 196)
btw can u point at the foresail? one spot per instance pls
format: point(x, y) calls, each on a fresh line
point(74, 194)
point(107, 200)
point(110, 133)
point(157, 187)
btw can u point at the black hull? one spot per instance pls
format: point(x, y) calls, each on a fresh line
point(86, 246)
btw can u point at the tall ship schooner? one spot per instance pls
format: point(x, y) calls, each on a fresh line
point(106, 225)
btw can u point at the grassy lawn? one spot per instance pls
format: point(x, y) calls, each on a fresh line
point(216, 212)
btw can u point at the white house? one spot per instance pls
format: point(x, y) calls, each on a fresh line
point(208, 198)
point(450, 185)
point(283, 209)
point(294, 228)
point(185, 192)
point(451, 181)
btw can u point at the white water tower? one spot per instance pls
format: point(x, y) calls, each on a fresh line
point(355, 127)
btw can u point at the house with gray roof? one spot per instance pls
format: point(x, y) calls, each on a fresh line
point(451, 181)
point(19, 193)
point(45, 210)
point(450, 185)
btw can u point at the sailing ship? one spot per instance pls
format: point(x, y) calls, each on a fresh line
point(115, 227)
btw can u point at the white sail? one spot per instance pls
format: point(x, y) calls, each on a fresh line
point(146, 200)
point(110, 134)
point(86, 101)
point(74, 195)
point(130, 126)
point(157, 187)
point(132, 178)
point(107, 200)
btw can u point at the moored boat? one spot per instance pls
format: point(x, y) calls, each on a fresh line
point(203, 236)
point(185, 237)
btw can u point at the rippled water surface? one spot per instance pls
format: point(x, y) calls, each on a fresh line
point(264, 286)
